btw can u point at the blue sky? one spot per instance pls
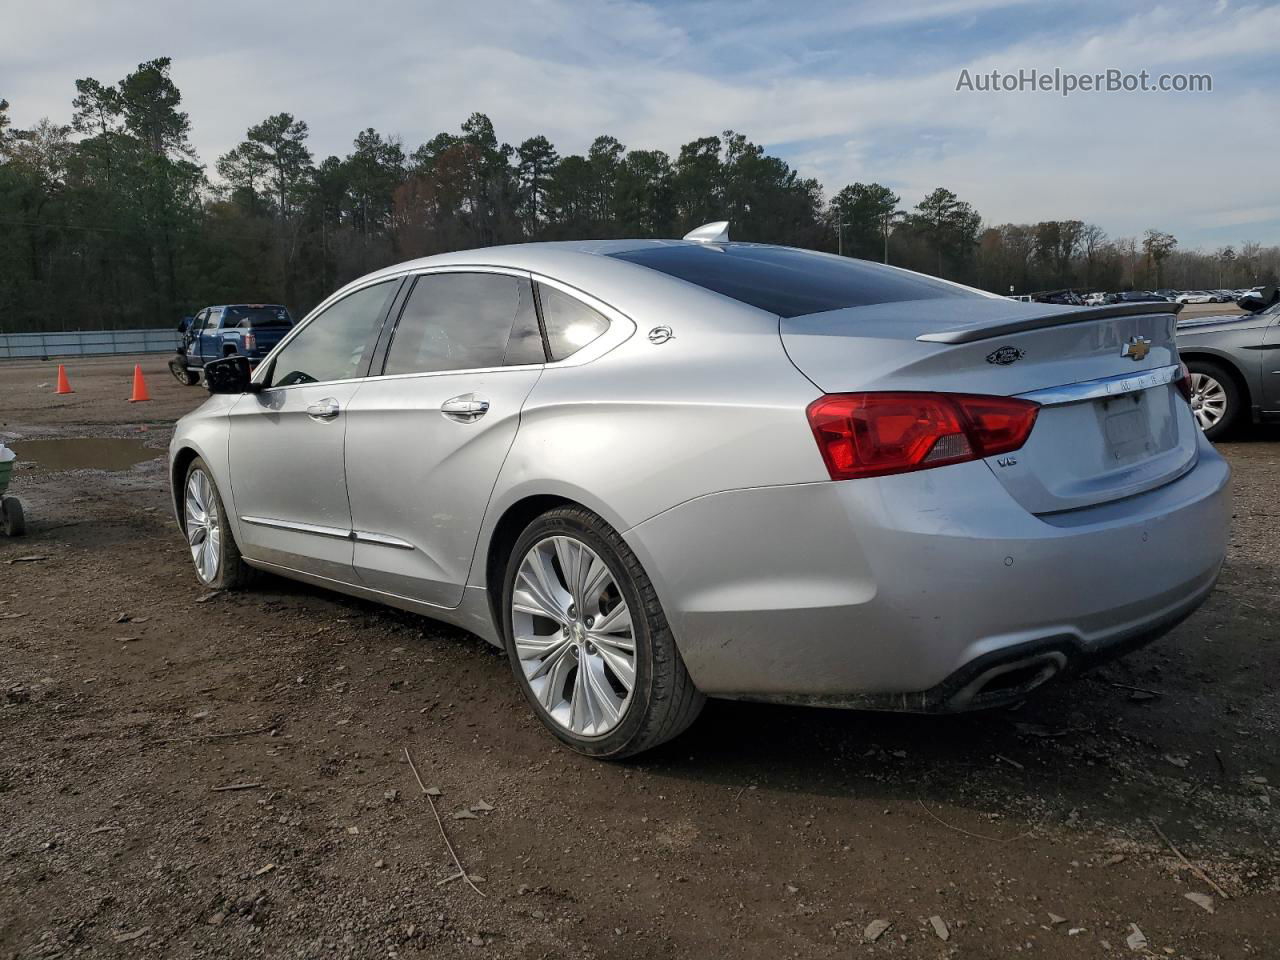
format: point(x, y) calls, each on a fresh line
point(844, 91)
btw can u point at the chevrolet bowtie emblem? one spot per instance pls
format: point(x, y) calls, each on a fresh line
point(1136, 349)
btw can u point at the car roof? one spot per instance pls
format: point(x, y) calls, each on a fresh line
point(609, 270)
point(250, 306)
point(587, 266)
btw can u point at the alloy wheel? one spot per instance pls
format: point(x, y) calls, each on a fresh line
point(1208, 400)
point(204, 533)
point(574, 636)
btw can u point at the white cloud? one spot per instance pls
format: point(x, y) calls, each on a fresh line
point(659, 76)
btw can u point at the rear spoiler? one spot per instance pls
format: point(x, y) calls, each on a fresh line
point(969, 334)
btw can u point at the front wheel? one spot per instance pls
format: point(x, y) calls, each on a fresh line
point(178, 367)
point(588, 641)
point(1215, 398)
point(213, 549)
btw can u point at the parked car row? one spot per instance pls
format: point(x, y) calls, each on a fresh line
point(655, 471)
point(1098, 298)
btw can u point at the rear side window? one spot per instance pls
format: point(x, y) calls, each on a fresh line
point(465, 321)
point(790, 283)
point(570, 323)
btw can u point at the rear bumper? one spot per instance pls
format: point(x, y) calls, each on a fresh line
point(931, 591)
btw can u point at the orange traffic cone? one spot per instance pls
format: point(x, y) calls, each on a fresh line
point(64, 385)
point(139, 385)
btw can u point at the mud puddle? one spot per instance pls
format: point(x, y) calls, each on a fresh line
point(84, 453)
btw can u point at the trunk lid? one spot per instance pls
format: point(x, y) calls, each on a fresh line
point(1111, 425)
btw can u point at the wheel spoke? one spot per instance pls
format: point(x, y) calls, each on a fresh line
point(553, 672)
point(620, 664)
point(580, 717)
point(596, 578)
point(569, 553)
point(600, 705)
point(533, 598)
point(616, 621)
point(544, 649)
point(197, 534)
point(543, 587)
point(195, 510)
point(206, 558)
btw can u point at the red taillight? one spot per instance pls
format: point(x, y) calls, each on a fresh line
point(1184, 382)
point(873, 434)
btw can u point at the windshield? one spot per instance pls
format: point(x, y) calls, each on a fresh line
point(257, 316)
point(788, 282)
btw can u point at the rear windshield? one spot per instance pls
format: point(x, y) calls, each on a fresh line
point(788, 282)
point(272, 316)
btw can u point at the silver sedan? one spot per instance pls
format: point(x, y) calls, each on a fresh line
point(659, 471)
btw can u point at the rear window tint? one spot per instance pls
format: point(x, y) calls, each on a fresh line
point(788, 282)
point(266, 316)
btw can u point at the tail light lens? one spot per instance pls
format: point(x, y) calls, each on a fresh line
point(874, 434)
point(1184, 382)
point(250, 342)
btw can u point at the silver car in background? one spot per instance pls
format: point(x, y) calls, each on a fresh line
point(658, 471)
point(1235, 367)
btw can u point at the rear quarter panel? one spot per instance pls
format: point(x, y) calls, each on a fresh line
point(649, 426)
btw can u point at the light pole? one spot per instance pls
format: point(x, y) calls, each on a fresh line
point(840, 237)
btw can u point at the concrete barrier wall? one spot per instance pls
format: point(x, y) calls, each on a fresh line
point(77, 343)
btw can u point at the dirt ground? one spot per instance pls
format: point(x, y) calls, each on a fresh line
point(130, 700)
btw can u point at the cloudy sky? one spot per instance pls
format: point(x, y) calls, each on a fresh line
point(844, 91)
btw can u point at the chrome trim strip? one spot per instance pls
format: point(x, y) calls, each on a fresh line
point(621, 326)
point(1103, 387)
point(315, 529)
point(382, 539)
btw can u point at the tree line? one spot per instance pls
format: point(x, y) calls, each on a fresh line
point(112, 221)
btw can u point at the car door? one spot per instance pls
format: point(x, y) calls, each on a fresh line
point(210, 338)
point(427, 437)
point(191, 339)
point(286, 442)
point(1271, 362)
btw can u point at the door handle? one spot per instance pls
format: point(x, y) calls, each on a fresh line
point(467, 408)
point(326, 409)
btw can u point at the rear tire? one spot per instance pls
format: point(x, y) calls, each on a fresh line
point(1216, 399)
point(572, 664)
point(213, 547)
point(15, 522)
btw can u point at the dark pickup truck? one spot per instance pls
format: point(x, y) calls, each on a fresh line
point(232, 330)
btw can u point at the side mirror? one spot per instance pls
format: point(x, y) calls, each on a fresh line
point(229, 375)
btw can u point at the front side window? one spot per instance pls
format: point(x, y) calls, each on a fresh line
point(333, 344)
point(465, 321)
point(570, 323)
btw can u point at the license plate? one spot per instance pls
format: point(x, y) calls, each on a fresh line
point(1128, 433)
